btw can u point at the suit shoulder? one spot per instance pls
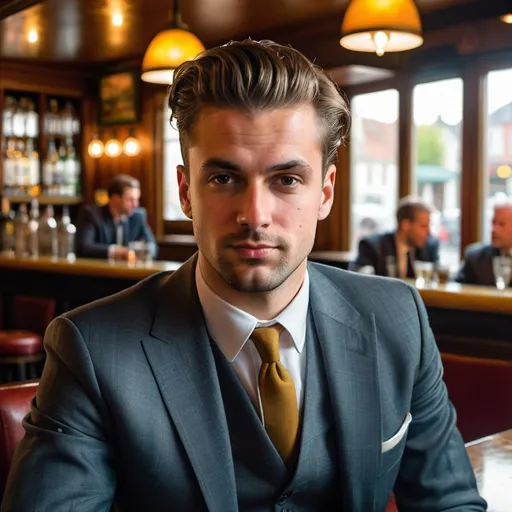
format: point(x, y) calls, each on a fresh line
point(129, 308)
point(479, 251)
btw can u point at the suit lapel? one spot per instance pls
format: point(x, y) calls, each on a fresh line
point(109, 230)
point(184, 368)
point(348, 344)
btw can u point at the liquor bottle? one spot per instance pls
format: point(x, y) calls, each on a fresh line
point(33, 228)
point(47, 234)
point(33, 173)
point(49, 165)
point(10, 167)
point(32, 121)
point(6, 227)
point(71, 169)
point(8, 113)
point(67, 232)
point(21, 232)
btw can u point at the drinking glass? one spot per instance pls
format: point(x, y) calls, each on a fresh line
point(502, 268)
point(423, 271)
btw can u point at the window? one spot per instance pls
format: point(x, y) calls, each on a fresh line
point(172, 158)
point(374, 163)
point(498, 164)
point(437, 116)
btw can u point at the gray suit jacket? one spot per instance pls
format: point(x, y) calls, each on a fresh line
point(129, 407)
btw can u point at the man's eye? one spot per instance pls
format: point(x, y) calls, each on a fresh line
point(288, 181)
point(222, 179)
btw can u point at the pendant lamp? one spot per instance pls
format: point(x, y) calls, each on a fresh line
point(173, 45)
point(381, 26)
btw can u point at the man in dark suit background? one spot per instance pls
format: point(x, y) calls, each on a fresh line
point(105, 231)
point(477, 265)
point(411, 241)
point(250, 379)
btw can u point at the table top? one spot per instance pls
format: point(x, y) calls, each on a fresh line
point(90, 267)
point(491, 458)
point(447, 296)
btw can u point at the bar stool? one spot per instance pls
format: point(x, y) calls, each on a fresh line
point(20, 351)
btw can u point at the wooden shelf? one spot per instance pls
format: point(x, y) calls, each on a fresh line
point(44, 200)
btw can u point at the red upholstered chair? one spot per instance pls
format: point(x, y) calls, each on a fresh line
point(21, 349)
point(14, 405)
point(480, 390)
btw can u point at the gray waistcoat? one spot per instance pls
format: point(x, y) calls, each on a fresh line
point(262, 481)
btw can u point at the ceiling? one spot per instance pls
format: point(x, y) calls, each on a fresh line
point(82, 30)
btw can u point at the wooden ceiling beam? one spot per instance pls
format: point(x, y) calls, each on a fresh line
point(10, 7)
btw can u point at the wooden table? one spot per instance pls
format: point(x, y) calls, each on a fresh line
point(491, 458)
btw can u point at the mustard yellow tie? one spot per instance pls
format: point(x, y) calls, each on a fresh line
point(277, 392)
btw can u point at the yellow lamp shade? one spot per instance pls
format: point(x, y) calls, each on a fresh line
point(166, 52)
point(381, 26)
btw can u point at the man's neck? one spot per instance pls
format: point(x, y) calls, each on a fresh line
point(113, 211)
point(401, 239)
point(264, 305)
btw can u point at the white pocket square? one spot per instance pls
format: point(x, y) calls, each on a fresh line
point(393, 441)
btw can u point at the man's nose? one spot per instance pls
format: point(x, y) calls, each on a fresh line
point(255, 207)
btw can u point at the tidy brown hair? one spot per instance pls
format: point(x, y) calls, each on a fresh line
point(256, 76)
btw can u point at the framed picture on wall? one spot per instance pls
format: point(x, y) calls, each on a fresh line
point(119, 101)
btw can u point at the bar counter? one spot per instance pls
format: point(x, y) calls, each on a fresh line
point(467, 320)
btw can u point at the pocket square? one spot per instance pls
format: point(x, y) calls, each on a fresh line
point(393, 441)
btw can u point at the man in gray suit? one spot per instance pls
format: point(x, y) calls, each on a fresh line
point(477, 267)
point(250, 379)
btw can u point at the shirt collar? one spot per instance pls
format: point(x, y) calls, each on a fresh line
point(231, 327)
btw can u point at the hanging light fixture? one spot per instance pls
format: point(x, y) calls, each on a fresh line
point(96, 147)
point(173, 45)
point(113, 147)
point(131, 146)
point(381, 26)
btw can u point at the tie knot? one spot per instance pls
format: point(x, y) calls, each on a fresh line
point(266, 341)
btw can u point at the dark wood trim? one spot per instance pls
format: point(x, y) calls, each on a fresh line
point(14, 6)
point(472, 175)
point(158, 160)
point(405, 138)
point(177, 227)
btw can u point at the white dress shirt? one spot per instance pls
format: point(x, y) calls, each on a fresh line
point(402, 253)
point(231, 329)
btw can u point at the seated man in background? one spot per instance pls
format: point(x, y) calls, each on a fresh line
point(105, 231)
point(477, 265)
point(410, 242)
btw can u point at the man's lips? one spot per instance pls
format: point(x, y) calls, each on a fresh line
point(253, 251)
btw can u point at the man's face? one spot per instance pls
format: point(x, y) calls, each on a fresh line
point(126, 203)
point(418, 230)
point(255, 193)
point(502, 228)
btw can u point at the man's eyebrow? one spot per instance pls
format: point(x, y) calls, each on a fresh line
point(221, 163)
point(291, 164)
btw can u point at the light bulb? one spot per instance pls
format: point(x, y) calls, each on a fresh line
point(507, 18)
point(113, 148)
point(380, 40)
point(117, 19)
point(131, 146)
point(95, 148)
point(33, 36)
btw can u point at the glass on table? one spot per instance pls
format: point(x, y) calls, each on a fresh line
point(502, 268)
point(423, 270)
point(142, 251)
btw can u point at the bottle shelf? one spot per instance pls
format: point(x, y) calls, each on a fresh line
point(46, 200)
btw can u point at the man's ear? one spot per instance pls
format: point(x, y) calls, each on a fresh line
point(184, 190)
